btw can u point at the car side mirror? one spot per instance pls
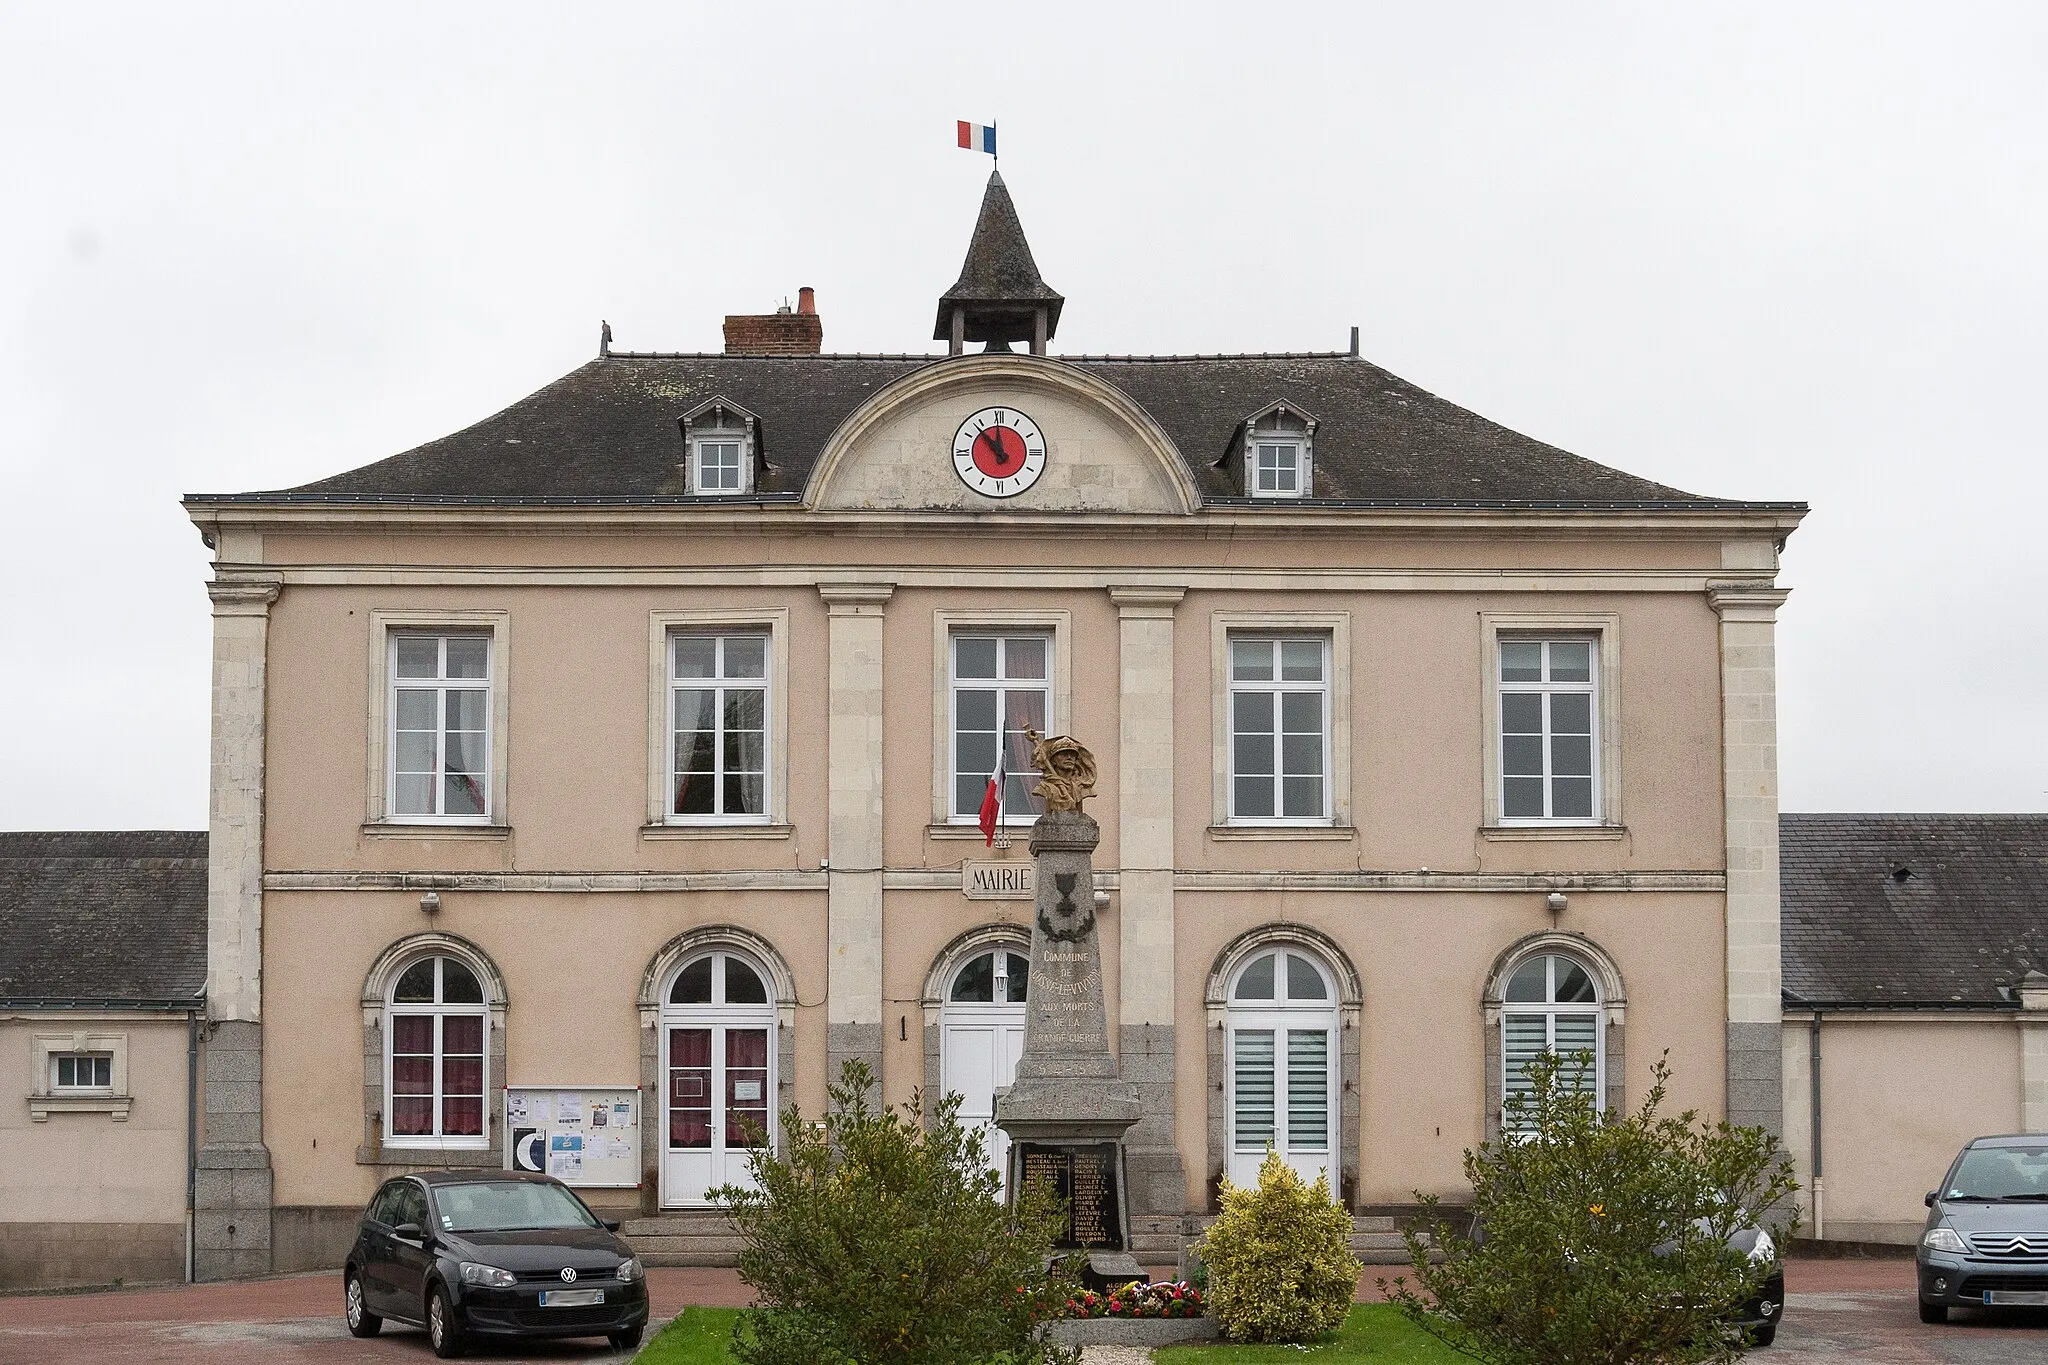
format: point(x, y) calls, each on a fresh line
point(408, 1232)
point(1929, 1200)
point(608, 1224)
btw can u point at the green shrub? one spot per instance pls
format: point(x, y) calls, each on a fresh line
point(1604, 1236)
point(1279, 1258)
point(876, 1236)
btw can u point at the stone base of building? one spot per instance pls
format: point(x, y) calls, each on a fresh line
point(232, 1192)
point(85, 1255)
point(312, 1236)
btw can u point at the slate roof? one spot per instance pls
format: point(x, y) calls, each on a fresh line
point(1934, 911)
point(999, 271)
point(102, 918)
point(607, 433)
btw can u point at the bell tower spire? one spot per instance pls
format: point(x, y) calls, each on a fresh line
point(999, 297)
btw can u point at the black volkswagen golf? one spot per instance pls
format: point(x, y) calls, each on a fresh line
point(495, 1253)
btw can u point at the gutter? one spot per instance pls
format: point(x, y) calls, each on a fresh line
point(82, 1003)
point(192, 1137)
point(1819, 1179)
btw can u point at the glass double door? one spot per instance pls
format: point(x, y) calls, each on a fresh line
point(979, 1057)
point(719, 1103)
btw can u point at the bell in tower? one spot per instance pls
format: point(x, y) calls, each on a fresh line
point(999, 298)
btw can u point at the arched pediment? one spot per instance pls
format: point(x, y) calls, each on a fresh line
point(1104, 453)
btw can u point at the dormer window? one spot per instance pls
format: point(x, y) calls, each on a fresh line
point(717, 460)
point(1276, 469)
point(1273, 455)
point(722, 441)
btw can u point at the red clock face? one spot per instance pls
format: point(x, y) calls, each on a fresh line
point(999, 452)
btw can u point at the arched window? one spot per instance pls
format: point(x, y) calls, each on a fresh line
point(1552, 1003)
point(437, 1032)
point(995, 978)
point(1281, 1049)
point(719, 1043)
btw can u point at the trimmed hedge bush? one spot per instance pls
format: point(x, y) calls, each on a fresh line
point(1279, 1258)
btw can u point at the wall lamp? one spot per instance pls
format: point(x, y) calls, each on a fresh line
point(1555, 902)
point(431, 902)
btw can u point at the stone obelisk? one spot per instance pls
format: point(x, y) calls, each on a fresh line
point(1067, 1111)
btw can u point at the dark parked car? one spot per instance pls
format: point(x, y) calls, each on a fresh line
point(1986, 1240)
point(1761, 1315)
point(494, 1253)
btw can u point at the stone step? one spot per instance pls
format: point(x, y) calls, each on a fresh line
point(675, 1260)
point(721, 1246)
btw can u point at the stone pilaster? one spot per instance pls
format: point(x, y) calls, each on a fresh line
point(853, 883)
point(2034, 1053)
point(233, 1195)
point(1749, 758)
point(1145, 895)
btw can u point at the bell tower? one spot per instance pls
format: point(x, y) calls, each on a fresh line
point(999, 297)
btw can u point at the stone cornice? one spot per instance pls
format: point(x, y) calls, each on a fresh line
point(1311, 579)
point(948, 879)
point(1291, 523)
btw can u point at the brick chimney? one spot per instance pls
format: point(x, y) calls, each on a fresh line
point(781, 332)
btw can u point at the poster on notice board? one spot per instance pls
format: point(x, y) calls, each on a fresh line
point(588, 1136)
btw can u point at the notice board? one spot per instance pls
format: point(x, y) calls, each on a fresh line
point(583, 1135)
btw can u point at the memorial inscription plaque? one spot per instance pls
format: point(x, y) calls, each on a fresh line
point(1086, 1176)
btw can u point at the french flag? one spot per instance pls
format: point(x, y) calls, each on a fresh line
point(992, 799)
point(978, 137)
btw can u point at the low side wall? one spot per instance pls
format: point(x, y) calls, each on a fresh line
point(67, 1255)
point(1900, 1095)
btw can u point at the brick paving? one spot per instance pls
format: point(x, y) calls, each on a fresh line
point(1838, 1312)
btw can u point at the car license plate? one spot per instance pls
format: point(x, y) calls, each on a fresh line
point(2016, 1298)
point(570, 1298)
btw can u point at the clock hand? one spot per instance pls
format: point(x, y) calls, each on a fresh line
point(996, 448)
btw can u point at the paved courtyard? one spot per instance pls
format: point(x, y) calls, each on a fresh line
point(1839, 1312)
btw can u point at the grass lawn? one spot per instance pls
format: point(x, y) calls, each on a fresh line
point(1375, 1331)
point(698, 1337)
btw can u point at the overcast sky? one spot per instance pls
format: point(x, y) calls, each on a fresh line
point(1762, 251)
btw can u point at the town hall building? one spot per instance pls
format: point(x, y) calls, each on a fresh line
point(590, 784)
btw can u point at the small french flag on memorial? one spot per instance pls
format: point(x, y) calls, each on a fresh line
point(978, 137)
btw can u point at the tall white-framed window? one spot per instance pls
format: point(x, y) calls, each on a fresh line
point(73, 1073)
point(1276, 469)
point(436, 1056)
point(1280, 729)
point(1552, 1004)
point(1549, 741)
point(998, 684)
point(718, 727)
point(439, 703)
point(1283, 1065)
point(715, 464)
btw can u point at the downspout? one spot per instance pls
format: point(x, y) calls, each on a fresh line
point(1813, 1075)
point(191, 1134)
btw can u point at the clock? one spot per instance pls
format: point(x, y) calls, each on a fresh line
point(998, 452)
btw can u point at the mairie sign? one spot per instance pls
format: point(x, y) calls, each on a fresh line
point(996, 881)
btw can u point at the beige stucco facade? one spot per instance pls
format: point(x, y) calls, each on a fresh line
point(575, 885)
point(94, 1190)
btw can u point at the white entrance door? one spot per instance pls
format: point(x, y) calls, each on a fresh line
point(1283, 1068)
point(981, 1037)
point(718, 1077)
